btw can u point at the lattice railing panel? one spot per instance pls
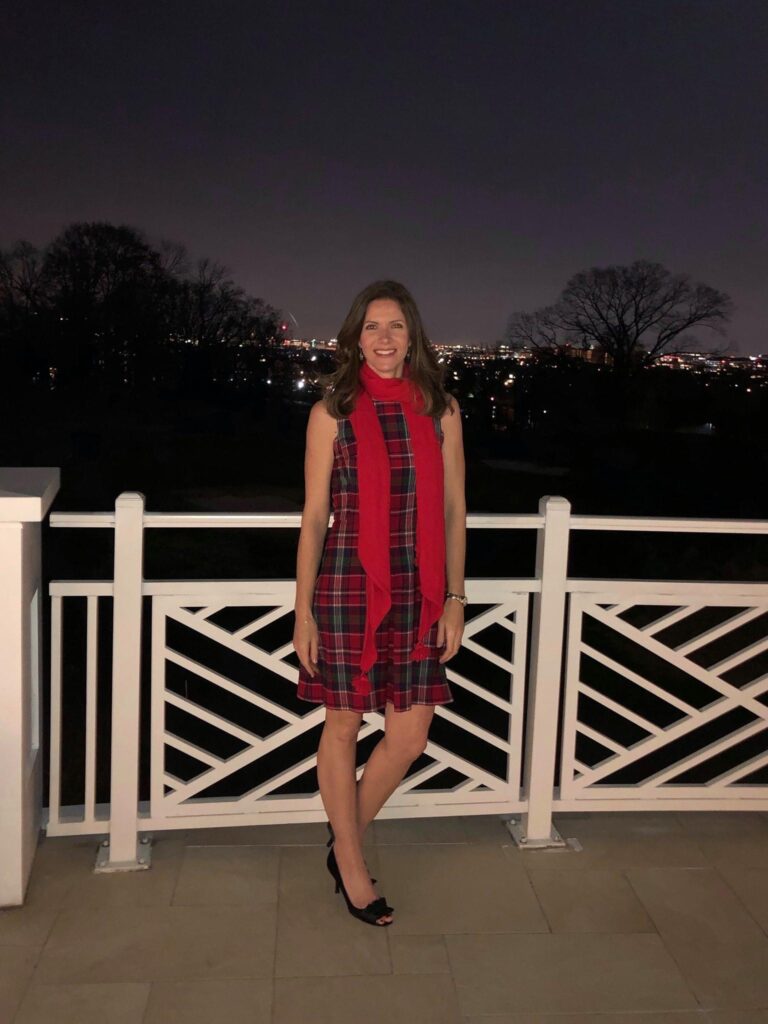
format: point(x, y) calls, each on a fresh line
point(230, 736)
point(666, 695)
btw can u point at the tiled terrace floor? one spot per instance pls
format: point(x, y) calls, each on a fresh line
point(660, 919)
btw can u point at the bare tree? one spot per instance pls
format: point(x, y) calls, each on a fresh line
point(535, 330)
point(173, 257)
point(20, 275)
point(103, 281)
point(24, 317)
point(217, 318)
point(634, 314)
point(101, 303)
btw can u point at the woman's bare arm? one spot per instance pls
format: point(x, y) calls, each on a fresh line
point(318, 463)
point(451, 625)
point(455, 501)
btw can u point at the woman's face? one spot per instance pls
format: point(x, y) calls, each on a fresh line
point(384, 338)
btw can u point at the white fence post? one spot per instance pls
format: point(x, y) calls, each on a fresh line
point(26, 494)
point(548, 625)
point(122, 851)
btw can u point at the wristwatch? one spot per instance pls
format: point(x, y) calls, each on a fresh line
point(461, 598)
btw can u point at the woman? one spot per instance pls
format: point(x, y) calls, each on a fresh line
point(375, 627)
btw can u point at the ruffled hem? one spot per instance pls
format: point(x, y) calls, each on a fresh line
point(347, 700)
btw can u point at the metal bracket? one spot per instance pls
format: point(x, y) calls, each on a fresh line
point(516, 830)
point(142, 862)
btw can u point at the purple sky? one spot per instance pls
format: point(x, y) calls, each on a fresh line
point(480, 152)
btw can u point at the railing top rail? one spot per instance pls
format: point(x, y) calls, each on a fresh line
point(671, 524)
point(475, 521)
point(292, 520)
point(482, 590)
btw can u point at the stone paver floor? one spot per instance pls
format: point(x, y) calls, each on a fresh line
point(658, 918)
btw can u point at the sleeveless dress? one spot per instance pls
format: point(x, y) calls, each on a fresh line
point(339, 597)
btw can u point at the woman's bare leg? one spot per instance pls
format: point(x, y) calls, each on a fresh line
point(405, 738)
point(336, 777)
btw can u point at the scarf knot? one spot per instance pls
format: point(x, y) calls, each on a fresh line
point(374, 483)
point(420, 652)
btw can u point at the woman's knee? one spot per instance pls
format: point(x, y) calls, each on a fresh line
point(342, 726)
point(406, 747)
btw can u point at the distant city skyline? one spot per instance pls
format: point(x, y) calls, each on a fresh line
point(480, 152)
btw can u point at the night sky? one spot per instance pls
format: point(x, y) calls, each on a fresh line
point(480, 152)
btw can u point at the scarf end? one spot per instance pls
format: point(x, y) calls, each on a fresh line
point(420, 652)
point(361, 684)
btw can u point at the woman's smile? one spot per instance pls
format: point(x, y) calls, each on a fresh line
point(384, 337)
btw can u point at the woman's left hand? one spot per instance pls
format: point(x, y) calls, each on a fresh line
point(450, 627)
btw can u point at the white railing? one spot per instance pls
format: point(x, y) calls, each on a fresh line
point(26, 494)
point(638, 693)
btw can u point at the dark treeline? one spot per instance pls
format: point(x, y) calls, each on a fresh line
point(142, 369)
point(102, 306)
point(102, 311)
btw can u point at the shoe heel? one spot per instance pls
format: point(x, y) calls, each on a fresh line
point(376, 908)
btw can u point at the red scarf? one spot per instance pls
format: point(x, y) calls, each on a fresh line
point(373, 475)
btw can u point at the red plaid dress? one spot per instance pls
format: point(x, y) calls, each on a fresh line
point(339, 598)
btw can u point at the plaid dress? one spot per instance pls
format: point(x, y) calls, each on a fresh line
point(339, 597)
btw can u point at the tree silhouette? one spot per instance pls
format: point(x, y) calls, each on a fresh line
point(220, 322)
point(634, 314)
point(24, 316)
point(107, 285)
point(101, 305)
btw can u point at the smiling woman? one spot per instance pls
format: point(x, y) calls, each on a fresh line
point(385, 316)
point(376, 624)
point(384, 341)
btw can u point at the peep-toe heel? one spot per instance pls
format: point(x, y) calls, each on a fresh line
point(370, 914)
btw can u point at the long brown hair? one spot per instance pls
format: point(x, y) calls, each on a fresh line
point(341, 386)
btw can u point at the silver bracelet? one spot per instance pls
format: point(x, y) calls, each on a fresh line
point(461, 598)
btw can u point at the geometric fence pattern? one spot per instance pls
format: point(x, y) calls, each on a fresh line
point(665, 696)
point(230, 738)
point(636, 694)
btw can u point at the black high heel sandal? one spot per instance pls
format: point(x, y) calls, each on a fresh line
point(330, 843)
point(370, 914)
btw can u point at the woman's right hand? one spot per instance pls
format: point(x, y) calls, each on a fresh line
point(305, 640)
